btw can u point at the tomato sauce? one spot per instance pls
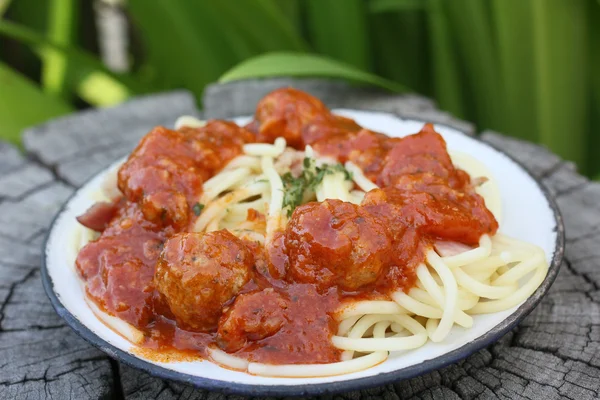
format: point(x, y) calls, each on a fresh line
point(186, 291)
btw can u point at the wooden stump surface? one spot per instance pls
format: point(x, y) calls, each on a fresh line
point(554, 353)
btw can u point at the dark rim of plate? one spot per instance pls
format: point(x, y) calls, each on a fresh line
point(381, 379)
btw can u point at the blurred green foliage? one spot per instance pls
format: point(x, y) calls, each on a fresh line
point(527, 68)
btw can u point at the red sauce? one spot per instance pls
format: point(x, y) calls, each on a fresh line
point(186, 291)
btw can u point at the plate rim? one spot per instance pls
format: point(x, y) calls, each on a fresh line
point(483, 341)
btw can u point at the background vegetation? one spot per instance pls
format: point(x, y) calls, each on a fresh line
point(527, 68)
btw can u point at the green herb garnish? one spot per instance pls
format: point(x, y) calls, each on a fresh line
point(307, 163)
point(197, 208)
point(293, 191)
point(294, 188)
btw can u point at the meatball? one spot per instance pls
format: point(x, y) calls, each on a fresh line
point(118, 268)
point(225, 138)
point(433, 208)
point(252, 317)
point(161, 174)
point(166, 171)
point(330, 127)
point(286, 112)
point(336, 243)
point(299, 117)
point(366, 149)
point(198, 273)
point(423, 152)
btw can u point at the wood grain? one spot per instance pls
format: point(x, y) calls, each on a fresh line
point(554, 354)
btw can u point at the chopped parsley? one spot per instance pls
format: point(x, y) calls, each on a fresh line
point(294, 188)
point(307, 163)
point(197, 208)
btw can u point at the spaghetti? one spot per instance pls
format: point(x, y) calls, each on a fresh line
point(355, 254)
point(453, 283)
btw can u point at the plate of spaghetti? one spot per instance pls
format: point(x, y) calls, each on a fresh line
point(302, 250)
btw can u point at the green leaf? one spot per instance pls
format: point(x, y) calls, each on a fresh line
point(185, 42)
point(261, 23)
point(593, 144)
point(99, 89)
point(23, 104)
point(33, 14)
point(339, 30)
point(80, 59)
point(381, 6)
point(470, 24)
point(304, 65)
point(447, 81)
point(517, 67)
point(400, 49)
point(4, 6)
point(62, 24)
point(87, 75)
point(190, 43)
point(561, 59)
point(292, 12)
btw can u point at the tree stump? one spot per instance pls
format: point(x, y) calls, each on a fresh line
point(554, 353)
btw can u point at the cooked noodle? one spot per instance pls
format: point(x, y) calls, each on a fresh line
point(454, 282)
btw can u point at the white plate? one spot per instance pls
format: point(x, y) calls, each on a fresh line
point(528, 213)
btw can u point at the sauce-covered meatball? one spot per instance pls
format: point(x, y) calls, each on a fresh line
point(198, 273)
point(365, 148)
point(433, 209)
point(166, 170)
point(423, 152)
point(336, 243)
point(119, 266)
point(286, 112)
point(252, 317)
